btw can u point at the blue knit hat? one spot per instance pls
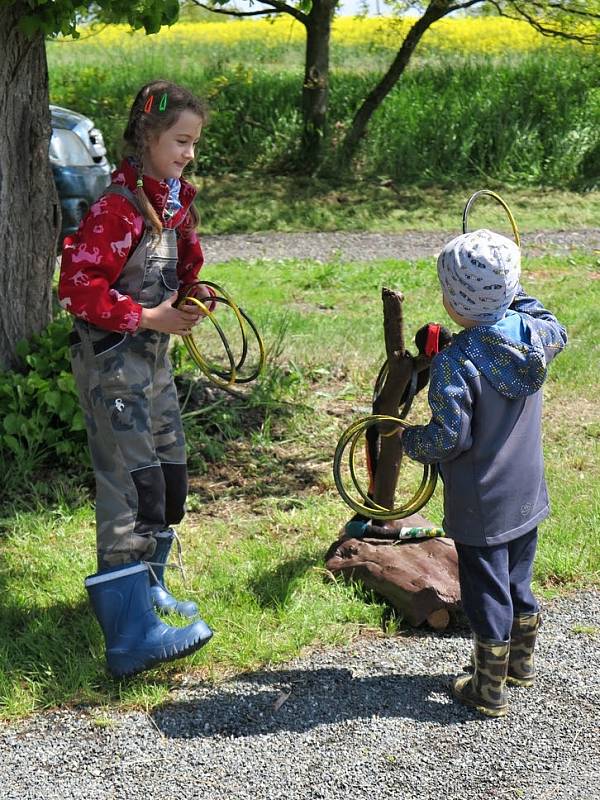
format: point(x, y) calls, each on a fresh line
point(479, 273)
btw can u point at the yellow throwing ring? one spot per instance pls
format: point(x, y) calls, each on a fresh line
point(352, 436)
point(488, 193)
point(215, 372)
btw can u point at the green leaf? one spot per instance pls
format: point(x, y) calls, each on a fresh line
point(66, 383)
point(12, 423)
point(30, 25)
point(78, 423)
point(66, 407)
point(53, 400)
point(13, 444)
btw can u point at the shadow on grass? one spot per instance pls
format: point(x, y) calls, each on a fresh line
point(256, 474)
point(48, 656)
point(273, 588)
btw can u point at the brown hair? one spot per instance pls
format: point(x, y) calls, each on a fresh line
point(156, 108)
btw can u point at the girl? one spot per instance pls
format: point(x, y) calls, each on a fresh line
point(122, 272)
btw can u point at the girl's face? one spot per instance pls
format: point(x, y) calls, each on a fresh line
point(171, 151)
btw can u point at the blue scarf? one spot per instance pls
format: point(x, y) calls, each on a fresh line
point(173, 203)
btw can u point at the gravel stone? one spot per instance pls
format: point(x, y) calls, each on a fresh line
point(371, 719)
point(349, 246)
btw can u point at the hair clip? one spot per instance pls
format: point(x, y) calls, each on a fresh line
point(163, 102)
point(140, 183)
point(148, 105)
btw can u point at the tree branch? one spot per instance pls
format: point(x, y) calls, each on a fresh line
point(559, 7)
point(521, 15)
point(578, 12)
point(460, 6)
point(277, 6)
point(232, 13)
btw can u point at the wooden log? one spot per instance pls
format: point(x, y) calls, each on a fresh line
point(418, 577)
point(439, 620)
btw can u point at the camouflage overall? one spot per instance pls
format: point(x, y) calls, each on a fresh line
point(130, 404)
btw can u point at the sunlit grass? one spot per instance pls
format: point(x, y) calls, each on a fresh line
point(263, 514)
point(253, 202)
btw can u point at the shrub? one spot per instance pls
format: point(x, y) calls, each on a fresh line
point(40, 419)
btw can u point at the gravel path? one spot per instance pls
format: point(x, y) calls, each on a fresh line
point(370, 720)
point(410, 245)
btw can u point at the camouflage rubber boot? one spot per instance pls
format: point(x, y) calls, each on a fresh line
point(521, 665)
point(485, 688)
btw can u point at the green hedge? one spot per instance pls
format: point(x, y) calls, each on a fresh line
point(534, 119)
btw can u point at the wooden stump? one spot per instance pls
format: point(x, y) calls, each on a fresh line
point(419, 578)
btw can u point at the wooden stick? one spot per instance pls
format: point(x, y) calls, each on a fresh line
point(439, 619)
point(388, 400)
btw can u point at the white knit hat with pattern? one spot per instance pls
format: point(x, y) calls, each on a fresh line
point(479, 273)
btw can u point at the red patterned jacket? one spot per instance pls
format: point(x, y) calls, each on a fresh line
point(94, 256)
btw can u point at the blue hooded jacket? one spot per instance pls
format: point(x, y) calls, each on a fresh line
point(485, 430)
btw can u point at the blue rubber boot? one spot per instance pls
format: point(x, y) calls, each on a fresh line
point(136, 639)
point(163, 600)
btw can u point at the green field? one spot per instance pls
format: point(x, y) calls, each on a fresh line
point(263, 506)
point(521, 117)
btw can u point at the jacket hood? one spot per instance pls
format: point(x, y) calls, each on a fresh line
point(510, 354)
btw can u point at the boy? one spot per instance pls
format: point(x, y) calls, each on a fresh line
point(485, 432)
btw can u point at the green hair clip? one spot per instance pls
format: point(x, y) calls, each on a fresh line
point(163, 102)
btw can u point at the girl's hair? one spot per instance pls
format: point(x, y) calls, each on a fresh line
point(156, 108)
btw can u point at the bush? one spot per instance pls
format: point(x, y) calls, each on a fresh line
point(533, 118)
point(40, 419)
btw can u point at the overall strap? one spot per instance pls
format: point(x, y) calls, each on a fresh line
point(115, 188)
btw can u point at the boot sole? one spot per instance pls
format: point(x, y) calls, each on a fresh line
point(489, 712)
point(526, 683)
point(153, 661)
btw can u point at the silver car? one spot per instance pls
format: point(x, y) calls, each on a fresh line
point(79, 164)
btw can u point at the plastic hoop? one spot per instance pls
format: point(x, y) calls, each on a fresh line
point(498, 199)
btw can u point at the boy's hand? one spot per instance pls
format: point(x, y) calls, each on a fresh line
point(166, 318)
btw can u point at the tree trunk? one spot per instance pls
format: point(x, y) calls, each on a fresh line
point(315, 91)
point(29, 210)
point(436, 10)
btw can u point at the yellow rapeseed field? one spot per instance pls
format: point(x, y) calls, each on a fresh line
point(486, 35)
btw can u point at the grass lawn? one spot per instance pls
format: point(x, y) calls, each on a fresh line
point(263, 506)
point(238, 203)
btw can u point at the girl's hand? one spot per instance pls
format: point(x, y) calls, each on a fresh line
point(204, 294)
point(166, 318)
